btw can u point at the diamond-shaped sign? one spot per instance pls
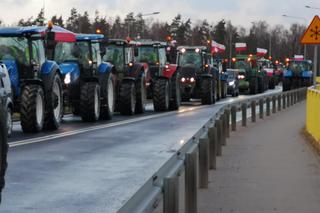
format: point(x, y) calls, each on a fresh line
point(312, 34)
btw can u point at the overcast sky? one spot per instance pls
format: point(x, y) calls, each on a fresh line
point(240, 12)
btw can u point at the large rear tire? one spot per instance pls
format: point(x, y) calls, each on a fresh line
point(32, 109)
point(108, 97)
point(54, 105)
point(207, 95)
point(253, 86)
point(127, 98)
point(3, 148)
point(90, 102)
point(286, 84)
point(141, 96)
point(161, 95)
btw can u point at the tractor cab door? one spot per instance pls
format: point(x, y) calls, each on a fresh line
point(96, 56)
point(162, 59)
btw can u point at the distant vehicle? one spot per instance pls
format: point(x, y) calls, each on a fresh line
point(251, 78)
point(279, 68)
point(298, 73)
point(267, 66)
point(233, 82)
point(3, 129)
point(6, 96)
point(164, 79)
point(199, 79)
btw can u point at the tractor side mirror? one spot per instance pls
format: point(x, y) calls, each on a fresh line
point(136, 52)
point(50, 40)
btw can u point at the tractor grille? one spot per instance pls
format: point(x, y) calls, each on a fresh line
point(188, 72)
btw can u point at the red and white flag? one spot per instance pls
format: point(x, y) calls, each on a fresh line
point(298, 57)
point(241, 47)
point(261, 52)
point(217, 48)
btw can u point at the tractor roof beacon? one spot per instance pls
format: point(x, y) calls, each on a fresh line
point(35, 80)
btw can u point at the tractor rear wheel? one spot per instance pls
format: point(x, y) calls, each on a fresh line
point(286, 84)
point(161, 95)
point(32, 108)
point(108, 97)
point(175, 100)
point(54, 105)
point(3, 149)
point(90, 101)
point(141, 96)
point(272, 83)
point(253, 85)
point(207, 95)
point(127, 98)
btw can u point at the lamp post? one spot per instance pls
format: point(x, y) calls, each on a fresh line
point(305, 23)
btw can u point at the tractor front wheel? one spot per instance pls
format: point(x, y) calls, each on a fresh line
point(161, 95)
point(207, 95)
point(108, 97)
point(141, 96)
point(175, 100)
point(90, 102)
point(3, 149)
point(32, 108)
point(127, 98)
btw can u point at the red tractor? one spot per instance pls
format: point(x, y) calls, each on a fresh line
point(163, 80)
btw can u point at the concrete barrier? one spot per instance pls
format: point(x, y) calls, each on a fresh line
point(313, 113)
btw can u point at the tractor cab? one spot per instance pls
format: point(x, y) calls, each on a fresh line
point(24, 52)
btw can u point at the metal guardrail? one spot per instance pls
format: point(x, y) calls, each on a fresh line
point(313, 113)
point(198, 155)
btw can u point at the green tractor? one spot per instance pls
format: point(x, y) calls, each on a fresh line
point(251, 77)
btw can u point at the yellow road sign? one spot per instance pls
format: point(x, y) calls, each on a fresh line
point(312, 34)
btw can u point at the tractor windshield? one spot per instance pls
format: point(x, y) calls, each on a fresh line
point(299, 66)
point(115, 55)
point(77, 52)
point(190, 58)
point(242, 65)
point(14, 48)
point(147, 54)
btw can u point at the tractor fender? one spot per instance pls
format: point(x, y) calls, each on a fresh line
point(72, 68)
point(48, 67)
point(169, 70)
point(206, 75)
point(12, 69)
point(287, 73)
point(48, 71)
point(306, 74)
point(105, 67)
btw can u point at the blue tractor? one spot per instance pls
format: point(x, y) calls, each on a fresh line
point(36, 81)
point(88, 82)
point(297, 74)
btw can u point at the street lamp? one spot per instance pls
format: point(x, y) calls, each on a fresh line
point(139, 15)
point(314, 8)
point(305, 23)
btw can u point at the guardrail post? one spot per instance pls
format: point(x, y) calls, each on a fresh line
point(227, 111)
point(234, 118)
point(203, 162)
point(261, 108)
point(191, 181)
point(298, 96)
point(288, 100)
point(213, 139)
point(284, 105)
point(295, 97)
point(253, 111)
point(279, 102)
point(219, 136)
point(171, 195)
point(244, 114)
point(224, 129)
point(268, 106)
point(292, 98)
point(274, 104)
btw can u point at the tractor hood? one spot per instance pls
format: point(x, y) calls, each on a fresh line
point(69, 67)
point(189, 71)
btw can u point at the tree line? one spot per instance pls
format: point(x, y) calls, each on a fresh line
point(281, 41)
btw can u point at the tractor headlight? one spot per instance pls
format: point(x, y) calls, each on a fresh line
point(67, 78)
point(192, 80)
point(231, 83)
point(241, 77)
point(183, 79)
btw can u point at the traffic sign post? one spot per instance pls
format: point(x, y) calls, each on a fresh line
point(312, 37)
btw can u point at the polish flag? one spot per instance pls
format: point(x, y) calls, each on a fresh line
point(241, 47)
point(217, 48)
point(261, 52)
point(298, 57)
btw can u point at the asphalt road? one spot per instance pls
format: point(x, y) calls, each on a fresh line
point(95, 167)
